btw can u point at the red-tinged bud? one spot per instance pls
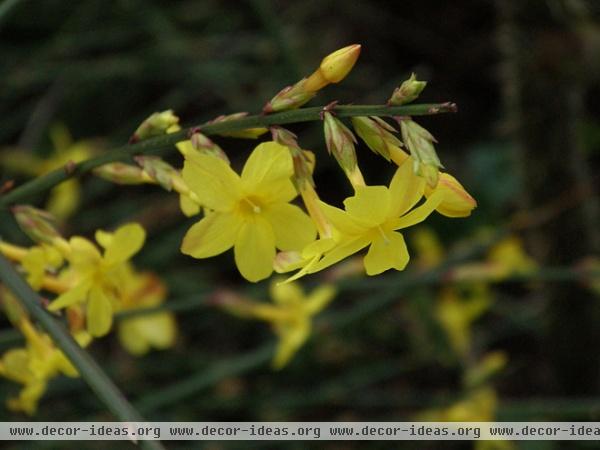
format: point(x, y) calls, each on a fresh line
point(408, 91)
point(155, 125)
point(247, 133)
point(158, 170)
point(340, 143)
point(38, 224)
point(420, 143)
point(121, 173)
point(377, 134)
point(203, 144)
point(290, 97)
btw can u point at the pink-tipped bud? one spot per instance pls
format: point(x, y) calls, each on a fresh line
point(38, 224)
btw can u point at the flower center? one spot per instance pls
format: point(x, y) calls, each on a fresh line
point(250, 205)
point(382, 234)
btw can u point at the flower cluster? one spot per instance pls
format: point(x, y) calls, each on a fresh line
point(90, 285)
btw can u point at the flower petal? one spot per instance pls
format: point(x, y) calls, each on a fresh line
point(369, 205)
point(269, 163)
point(126, 242)
point(418, 214)
point(212, 180)
point(254, 249)
point(386, 254)
point(341, 220)
point(74, 295)
point(291, 339)
point(99, 313)
point(341, 251)
point(84, 255)
point(320, 298)
point(406, 189)
point(214, 234)
point(292, 227)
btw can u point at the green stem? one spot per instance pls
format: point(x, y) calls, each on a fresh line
point(89, 370)
point(162, 144)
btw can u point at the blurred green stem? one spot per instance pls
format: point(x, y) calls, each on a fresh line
point(89, 370)
point(163, 144)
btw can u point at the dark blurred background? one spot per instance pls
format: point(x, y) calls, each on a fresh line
point(525, 143)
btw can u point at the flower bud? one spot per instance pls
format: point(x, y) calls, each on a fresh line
point(248, 133)
point(158, 170)
point(290, 97)
point(420, 143)
point(121, 173)
point(38, 224)
point(340, 142)
point(304, 161)
point(377, 134)
point(203, 144)
point(155, 125)
point(333, 68)
point(457, 202)
point(408, 91)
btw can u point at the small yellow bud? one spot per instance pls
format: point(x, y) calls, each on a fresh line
point(457, 201)
point(121, 173)
point(408, 91)
point(38, 224)
point(338, 64)
point(155, 125)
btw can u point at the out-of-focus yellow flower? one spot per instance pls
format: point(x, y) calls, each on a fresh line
point(251, 213)
point(457, 309)
point(478, 406)
point(38, 260)
point(34, 365)
point(290, 314)
point(429, 249)
point(96, 279)
point(64, 198)
point(504, 259)
point(139, 334)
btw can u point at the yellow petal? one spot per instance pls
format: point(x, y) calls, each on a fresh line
point(212, 180)
point(15, 365)
point(342, 250)
point(370, 205)
point(99, 313)
point(74, 295)
point(84, 255)
point(418, 214)
point(406, 189)
point(188, 206)
point(268, 161)
point(320, 298)
point(104, 238)
point(131, 339)
point(457, 201)
point(292, 227)
point(126, 242)
point(291, 339)
point(64, 199)
point(341, 220)
point(213, 235)
point(388, 253)
point(255, 249)
point(286, 293)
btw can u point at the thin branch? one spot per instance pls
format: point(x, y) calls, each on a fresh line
point(162, 144)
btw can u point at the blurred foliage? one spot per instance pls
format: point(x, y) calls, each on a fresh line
point(100, 67)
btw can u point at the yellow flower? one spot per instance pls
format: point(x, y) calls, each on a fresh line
point(139, 334)
point(250, 213)
point(456, 311)
point(37, 261)
point(290, 314)
point(371, 218)
point(65, 197)
point(34, 365)
point(97, 279)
